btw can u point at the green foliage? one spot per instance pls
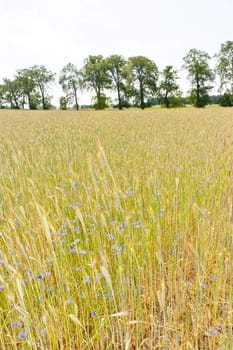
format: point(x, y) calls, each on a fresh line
point(115, 66)
point(175, 102)
point(142, 76)
point(203, 99)
point(42, 78)
point(70, 81)
point(226, 100)
point(100, 102)
point(63, 103)
point(168, 88)
point(28, 86)
point(13, 92)
point(95, 76)
point(199, 74)
point(224, 66)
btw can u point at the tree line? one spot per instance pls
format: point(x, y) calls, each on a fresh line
point(136, 81)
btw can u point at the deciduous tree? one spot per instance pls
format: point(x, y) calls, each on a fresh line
point(196, 62)
point(115, 67)
point(95, 76)
point(168, 87)
point(42, 78)
point(70, 81)
point(28, 87)
point(143, 74)
point(224, 66)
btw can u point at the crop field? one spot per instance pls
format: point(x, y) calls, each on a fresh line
point(116, 229)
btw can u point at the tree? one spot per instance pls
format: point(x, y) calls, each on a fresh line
point(63, 103)
point(95, 77)
point(199, 74)
point(143, 74)
point(28, 87)
point(13, 93)
point(115, 67)
point(226, 100)
point(168, 87)
point(224, 66)
point(2, 96)
point(42, 78)
point(70, 83)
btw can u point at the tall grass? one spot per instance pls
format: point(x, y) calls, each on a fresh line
point(116, 229)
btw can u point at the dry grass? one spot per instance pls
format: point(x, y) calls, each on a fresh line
point(116, 229)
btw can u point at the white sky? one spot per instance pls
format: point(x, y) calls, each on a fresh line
point(53, 32)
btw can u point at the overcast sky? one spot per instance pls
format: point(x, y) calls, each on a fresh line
point(53, 32)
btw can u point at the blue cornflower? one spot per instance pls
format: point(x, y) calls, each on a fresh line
point(220, 327)
point(137, 224)
point(15, 324)
point(83, 252)
point(43, 331)
point(2, 287)
point(94, 313)
point(75, 241)
point(70, 301)
point(39, 276)
point(213, 277)
point(213, 332)
point(21, 335)
point(87, 279)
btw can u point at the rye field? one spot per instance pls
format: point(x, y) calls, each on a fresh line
point(116, 229)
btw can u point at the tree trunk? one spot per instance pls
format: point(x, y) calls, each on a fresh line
point(75, 96)
point(166, 100)
point(141, 95)
point(119, 97)
point(198, 90)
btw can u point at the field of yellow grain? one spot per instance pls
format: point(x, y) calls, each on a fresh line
point(116, 229)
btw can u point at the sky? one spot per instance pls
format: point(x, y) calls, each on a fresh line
point(54, 32)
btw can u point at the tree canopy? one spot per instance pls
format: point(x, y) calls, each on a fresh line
point(225, 66)
point(120, 82)
point(196, 62)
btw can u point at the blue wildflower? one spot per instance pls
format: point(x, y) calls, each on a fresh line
point(15, 324)
point(220, 327)
point(21, 335)
point(213, 277)
point(213, 332)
